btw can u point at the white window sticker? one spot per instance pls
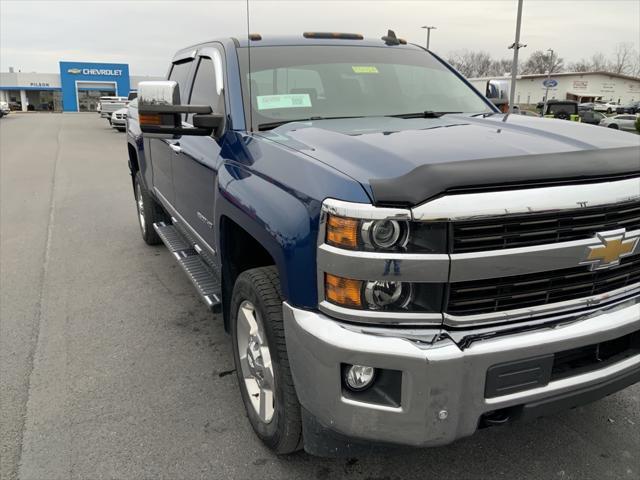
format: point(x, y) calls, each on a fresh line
point(289, 100)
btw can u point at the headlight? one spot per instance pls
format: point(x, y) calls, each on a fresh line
point(381, 295)
point(357, 234)
point(385, 234)
point(372, 295)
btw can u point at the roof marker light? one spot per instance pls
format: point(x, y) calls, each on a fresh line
point(333, 35)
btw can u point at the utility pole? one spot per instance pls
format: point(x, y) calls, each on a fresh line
point(514, 67)
point(428, 29)
point(546, 94)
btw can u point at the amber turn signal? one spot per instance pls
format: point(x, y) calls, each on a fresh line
point(342, 232)
point(342, 291)
point(150, 119)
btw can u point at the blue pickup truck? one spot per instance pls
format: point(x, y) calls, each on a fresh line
point(397, 262)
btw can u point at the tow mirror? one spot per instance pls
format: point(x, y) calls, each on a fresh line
point(160, 112)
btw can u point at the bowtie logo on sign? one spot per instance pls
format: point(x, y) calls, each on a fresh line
point(611, 248)
point(95, 71)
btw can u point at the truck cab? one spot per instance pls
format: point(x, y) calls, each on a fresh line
point(396, 261)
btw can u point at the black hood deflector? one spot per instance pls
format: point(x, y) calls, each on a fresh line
point(427, 181)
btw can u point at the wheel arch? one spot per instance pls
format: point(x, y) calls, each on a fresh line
point(239, 251)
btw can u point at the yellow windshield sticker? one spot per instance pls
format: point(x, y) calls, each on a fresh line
point(290, 100)
point(364, 69)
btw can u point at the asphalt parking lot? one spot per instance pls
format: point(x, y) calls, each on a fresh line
point(111, 367)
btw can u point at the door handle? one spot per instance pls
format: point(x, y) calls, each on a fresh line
point(175, 147)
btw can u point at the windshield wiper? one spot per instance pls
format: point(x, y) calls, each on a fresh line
point(425, 114)
point(271, 125)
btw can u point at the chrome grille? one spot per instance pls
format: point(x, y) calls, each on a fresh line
point(542, 228)
point(521, 291)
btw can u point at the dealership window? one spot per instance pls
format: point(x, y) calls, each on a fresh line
point(44, 100)
point(88, 98)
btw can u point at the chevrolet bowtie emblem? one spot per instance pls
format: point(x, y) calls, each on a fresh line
point(612, 246)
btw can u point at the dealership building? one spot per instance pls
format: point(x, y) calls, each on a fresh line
point(581, 87)
point(76, 88)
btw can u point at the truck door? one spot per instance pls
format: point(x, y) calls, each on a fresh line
point(196, 166)
point(163, 150)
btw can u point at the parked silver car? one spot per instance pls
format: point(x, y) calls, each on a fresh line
point(620, 122)
point(4, 109)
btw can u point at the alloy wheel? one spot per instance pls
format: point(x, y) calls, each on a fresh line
point(255, 361)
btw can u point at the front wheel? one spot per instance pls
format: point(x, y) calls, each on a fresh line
point(149, 212)
point(614, 126)
point(261, 360)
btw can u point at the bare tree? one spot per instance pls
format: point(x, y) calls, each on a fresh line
point(471, 64)
point(582, 65)
point(539, 62)
point(624, 58)
point(599, 62)
point(501, 67)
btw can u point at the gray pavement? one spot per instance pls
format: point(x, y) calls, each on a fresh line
point(110, 367)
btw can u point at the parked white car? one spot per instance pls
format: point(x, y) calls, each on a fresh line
point(620, 122)
point(606, 107)
point(119, 119)
point(4, 109)
point(108, 105)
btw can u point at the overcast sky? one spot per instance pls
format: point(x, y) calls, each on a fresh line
point(35, 35)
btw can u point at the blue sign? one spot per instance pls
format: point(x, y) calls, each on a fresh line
point(79, 76)
point(550, 83)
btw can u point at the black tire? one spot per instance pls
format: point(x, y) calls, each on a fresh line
point(614, 126)
point(152, 212)
point(120, 129)
point(261, 287)
point(562, 116)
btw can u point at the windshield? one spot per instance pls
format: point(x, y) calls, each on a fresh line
point(296, 83)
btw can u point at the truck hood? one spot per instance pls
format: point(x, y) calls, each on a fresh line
point(375, 149)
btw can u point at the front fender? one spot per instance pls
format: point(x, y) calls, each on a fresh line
point(275, 195)
point(281, 223)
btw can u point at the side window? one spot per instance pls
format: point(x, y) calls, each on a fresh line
point(205, 90)
point(180, 73)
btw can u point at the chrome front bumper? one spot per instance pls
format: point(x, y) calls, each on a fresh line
point(443, 386)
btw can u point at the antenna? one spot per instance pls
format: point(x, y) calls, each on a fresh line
point(249, 69)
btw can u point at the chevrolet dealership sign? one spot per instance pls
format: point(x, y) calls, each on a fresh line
point(76, 78)
point(95, 71)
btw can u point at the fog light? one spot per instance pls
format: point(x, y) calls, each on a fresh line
point(359, 377)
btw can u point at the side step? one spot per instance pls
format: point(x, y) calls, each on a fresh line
point(203, 277)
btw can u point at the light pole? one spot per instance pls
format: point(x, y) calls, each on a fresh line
point(514, 67)
point(428, 29)
point(546, 93)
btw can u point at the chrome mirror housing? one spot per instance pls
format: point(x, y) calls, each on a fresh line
point(158, 93)
point(160, 112)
